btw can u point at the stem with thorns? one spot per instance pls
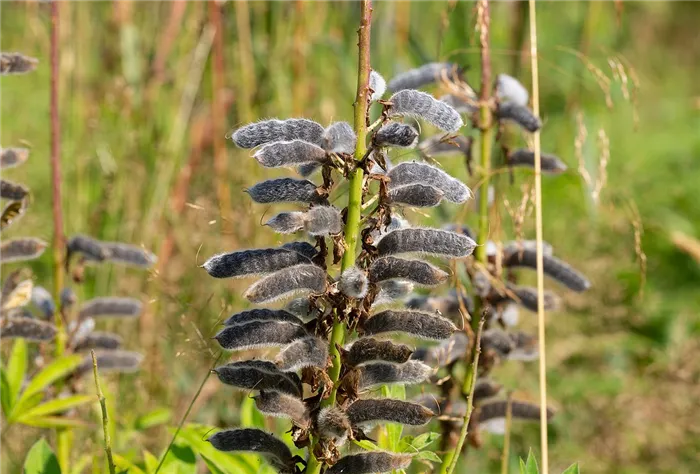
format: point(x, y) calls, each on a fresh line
point(105, 418)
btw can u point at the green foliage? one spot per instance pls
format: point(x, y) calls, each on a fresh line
point(529, 466)
point(41, 459)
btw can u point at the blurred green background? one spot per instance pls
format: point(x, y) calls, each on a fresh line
point(140, 108)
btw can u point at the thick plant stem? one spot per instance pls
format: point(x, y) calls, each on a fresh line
point(105, 419)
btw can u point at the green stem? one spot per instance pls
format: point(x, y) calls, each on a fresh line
point(105, 418)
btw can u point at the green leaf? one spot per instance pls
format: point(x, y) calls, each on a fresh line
point(121, 462)
point(53, 422)
point(16, 369)
point(5, 398)
point(422, 441)
point(211, 465)
point(57, 405)
point(529, 467)
point(81, 465)
point(56, 370)
point(394, 430)
point(41, 459)
point(150, 461)
point(573, 469)
point(367, 445)
point(157, 417)
point(429, 456)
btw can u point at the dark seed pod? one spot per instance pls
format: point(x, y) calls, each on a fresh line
point(333, 423)
point(88, 247)
point(370, 462)
point(447, 305)
point(448, 351)
point(384, 409)
point(43, 300)
point(438, 145)
point(266, 131)
point(427, 241)
point(526, 158)
point(527, 298)
point(304, 248)
point(17, 250)
point(520, 410)
point(396, 134)
point(416, 271)
point(308, 351)
point(282, 405)
point(99, 340)
point(509, 89)
point(117, 361)
point(285, 190)
point(254, 440)
point(377, 84)
point(299, 278)
point(497, 341)
point(392, 290)
point(129, 254)
point(11, 157)
point(16, 63)
point(257, 334)
point(552, 266)
point(68, 299)
point(416, 195)
point(287, 222)
point(79, 330)
point(340, 138)
point(381, 373)
point(353, 283)
point(262, 315)
point(307, 169)
point(424, 75)
point(290, 154)
point(26, 328)
point(417, 104)
point(323, 220)
point(486, 388)
point(368, 349)
point(252, 262)
point(416, 323)
point(13, 191)
point(460, 104)
point(407, 173)
point(259, 375)
point(302, 308)
point(110, 307)
point(520, 115)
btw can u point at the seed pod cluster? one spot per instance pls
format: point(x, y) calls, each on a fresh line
point(309, 351)
point(519, 114)
point(382, 373)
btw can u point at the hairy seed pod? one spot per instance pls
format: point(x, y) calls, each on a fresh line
point(553, 267)
point(129, 254)
point(353, 283)
point(304, 248)
point(11, 213)
point(520, 410)
point(88, 247)
point(79, 330)
point(333, 423)
point(323, 220)
point(289, 154)
point(392, 290)
point(99, 340)
point(498, 341)
point(266, 131)
point(302, 308)
point(460, 104)
point(299, 278)
point(424, 75)
point(525, 347)
point(17, 250)
point(370, 462)
point(282, 405)
point(409, 172)
point(378, 85)
point(308, 351)
point(368, 349)
point(16, 63)
point(307, 169)
point(340, 138)
point(396, 134)
point(380, 373)
point(416, 271)
point(19, 296)
point(42, 299)
point(257, 334)
point(416, 195)
point(527, 298)
point(426, 241)
point(11, 157)
point(262, 315)
point(110, 307)
point(13, 191)
point(254, 440)
point(27, 328)
point(486, 388)
point(448, 305)
point(520, 115)
point(68, 299)
point(117, 361)
point(417, 104)
point(259, 375)
point(416, 323)
point(509, 315)
point(397, 411)
point(245, 263)
point(509, 89)
point(287, 222)
point(285, 190)
point(526, 158)
point(438, 145)
point(444, 354)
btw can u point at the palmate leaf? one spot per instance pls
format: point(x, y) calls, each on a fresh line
point(41, 459)
point(56, 370)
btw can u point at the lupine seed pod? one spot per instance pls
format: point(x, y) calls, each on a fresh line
point(16, 63)
point(486, 388)
point(481, 282)
point(520, 115)
point(370, 462)
point(99, 340)
point(299, 278)
point(353, 283)
point(422, 173)
point(333, 423)
point(438, 145)
point(384, 409)
point(117, 361)
point(416, 323)
point(88, 247)
point(396, 134)
point(380, 373)
point(266, 131)
point(259, 375)
point(79, 330)
point(525, 347)
point(553, 267)
point(307, 351)
point(19, 296)
point(289, 154)
point(444, 354)
point(424, 75)
point(252, 262)
point(416, 271)
point(520, 245)
point(68, 299)
point(257, 334)
point(17, 250)
point(307, 169)
point(509, 89)
point(498, 341)
point(520, 410)
point(27, 328)
point(11, 157)
point(262, 315)
point(42, 299)
point(110, 307)
point(285, 190)
point(254, 440)
point(412, 103)
point(129, 254)
point(13, 191)
point(461, 105)
point(509, 315)
point(426, 241)
point(302, 308)
point(282, 405)
point(323, 220)
point(287, 222)
point(392, 290)
point(416, 195)
point(11, 213)
point(368, 349)
point(527, 298)
point(377, 84)
point(304, 248)
point(339, 137)
point(447, 305)
point(526, 158)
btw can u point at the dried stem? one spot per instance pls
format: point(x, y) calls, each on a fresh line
point(505, 459)
point(105, 418)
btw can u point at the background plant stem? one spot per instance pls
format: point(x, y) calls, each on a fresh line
point(105, 418)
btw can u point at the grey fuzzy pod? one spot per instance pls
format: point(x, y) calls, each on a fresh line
point(302, 308)
point(381, 373)
point(309, 351)
point(304, 248)
point(13, 191)
point(90, 248)
point(26, 328)
point(554, 268)
point(299, 278)
point(282, 405)
point(17, 250)
point(110, 307)
point(448, 351)
point(416, 271)
point(437, 145)
point(525, 346)
point(498, 341)
point(289, 154)
point(307, 169)
point(416, 323)
point(527, 298)
point(396, 134)
point(520, 115)
point(339, 137)
point(252, 262)
point(370, 462)
point(392, 290)
point(526, 158)
point(129, 254)
point(323, 220)
point(266, 131)
point(257, 334)
point(43, 300)
point(257, 441)
point(368, 349)
point(424, 75)
point(116, 361)
point(410, 172)
point(520, 410)
point(412, 103)
point(11, 157)
point(415, 195)
point(353, 283)
point(446, 305)
point(287, 222)
point(486, 388)
point(378, 85)
point(98, 340)
point(385, 409)
point(285, 190)
point(426, 241)
point(68, 298)
point(259, 375)
point(461, 105)
point(509, 89)
point(262, 315)
point(333, 423)
point(16, 63)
